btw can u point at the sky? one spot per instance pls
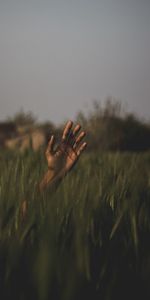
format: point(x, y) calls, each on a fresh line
point(56, 57)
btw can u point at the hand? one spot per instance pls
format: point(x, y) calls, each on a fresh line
point(68, 152)
point(62, 159)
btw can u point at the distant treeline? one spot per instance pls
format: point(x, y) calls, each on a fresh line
point(108, 128)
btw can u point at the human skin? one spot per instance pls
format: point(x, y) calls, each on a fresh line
point(62, 159)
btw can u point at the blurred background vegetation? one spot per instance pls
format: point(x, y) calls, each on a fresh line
point(109, 127)
point(90, 238)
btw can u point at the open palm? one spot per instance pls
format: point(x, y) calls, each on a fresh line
point(64, 157)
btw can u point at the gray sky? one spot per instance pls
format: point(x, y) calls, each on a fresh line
point(57, 56)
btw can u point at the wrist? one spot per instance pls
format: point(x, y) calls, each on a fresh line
point(50, 177)
point(47, 179)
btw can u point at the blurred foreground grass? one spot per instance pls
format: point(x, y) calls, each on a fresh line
point(90, 239)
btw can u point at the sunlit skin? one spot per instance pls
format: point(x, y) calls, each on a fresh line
point(62, 159)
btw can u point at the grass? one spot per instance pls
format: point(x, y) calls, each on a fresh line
point(89, 239)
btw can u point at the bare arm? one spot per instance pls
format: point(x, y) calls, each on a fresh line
point(61, 160)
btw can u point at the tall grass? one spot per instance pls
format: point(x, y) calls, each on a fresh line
point(90, 238)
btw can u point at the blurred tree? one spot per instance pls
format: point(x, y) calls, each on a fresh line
point(24, 118)
point(109, 128)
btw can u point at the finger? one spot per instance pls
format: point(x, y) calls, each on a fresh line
point(67, 130)
point(73, 134)
point(79, 139)
point(50, 146)
point(81, 149)
point(76, 129)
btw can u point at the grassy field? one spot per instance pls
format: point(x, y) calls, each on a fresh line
point(89, 239)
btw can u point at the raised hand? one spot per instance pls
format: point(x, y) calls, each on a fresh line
point(63, 158)
point(68, 152)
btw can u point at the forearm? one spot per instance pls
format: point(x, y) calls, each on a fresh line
point(51, 179)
